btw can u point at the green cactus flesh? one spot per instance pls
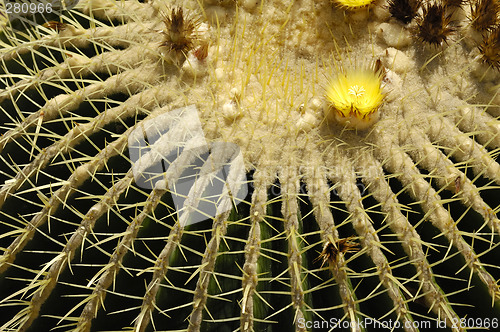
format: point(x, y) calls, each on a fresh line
point(85, 247)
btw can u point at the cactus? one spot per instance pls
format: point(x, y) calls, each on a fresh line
point(394, 224)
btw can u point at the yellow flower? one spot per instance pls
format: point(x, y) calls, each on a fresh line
point(355, 96)
point(353, 4)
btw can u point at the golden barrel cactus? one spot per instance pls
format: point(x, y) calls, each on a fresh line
point(393, 223)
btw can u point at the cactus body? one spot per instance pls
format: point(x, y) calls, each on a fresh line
point(93, 237)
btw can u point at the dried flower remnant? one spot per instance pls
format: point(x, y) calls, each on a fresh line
point(404, 10)
point(54, 25)
point(201, 52)
point(485, 14)
point(434, 25)
point(458, 184)
point(331, 251)
point(490, 48)
point(180, 31)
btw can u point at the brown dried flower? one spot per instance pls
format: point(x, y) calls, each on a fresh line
point(404, 10)
point(485, 14)
point(490, 48)
point(434, 25)
point(181, 31)
point(331, 250)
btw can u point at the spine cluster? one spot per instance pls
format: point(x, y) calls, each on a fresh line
point(432, 23)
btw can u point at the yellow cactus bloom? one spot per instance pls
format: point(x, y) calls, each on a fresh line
point(353, 4)
point(355, 96)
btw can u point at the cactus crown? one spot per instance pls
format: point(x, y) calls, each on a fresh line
point(120, 118)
